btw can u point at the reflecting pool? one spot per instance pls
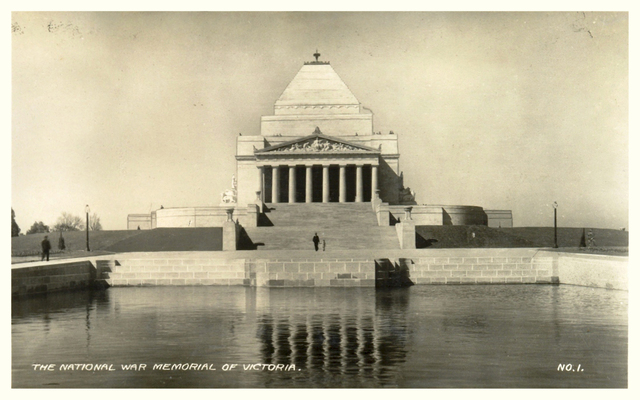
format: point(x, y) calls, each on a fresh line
point(419, 337)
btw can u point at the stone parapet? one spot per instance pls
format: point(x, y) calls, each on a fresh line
point(488, 267)
point(441, 266)
point(313, 272)
point(203, 217)
point(593, 270)
point(52, 277)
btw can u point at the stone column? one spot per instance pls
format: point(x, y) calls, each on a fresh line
point(374, 181)
point(325, 183)
point(275, 186)
point(260, 181)
point(292, 183)
point(308, 195)
point(343, 184)
point(358, 183)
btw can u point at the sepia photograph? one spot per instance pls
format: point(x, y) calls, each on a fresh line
point(319, 200)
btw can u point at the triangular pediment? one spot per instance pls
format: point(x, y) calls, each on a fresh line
point(318, 143)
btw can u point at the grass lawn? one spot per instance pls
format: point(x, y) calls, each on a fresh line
point(608, 241)
point(28, 247)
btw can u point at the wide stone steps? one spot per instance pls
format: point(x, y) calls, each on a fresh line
point(347, 237)
point(328, 215)
point(343, 226)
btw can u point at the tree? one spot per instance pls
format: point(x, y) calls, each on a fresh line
point(94, 222)
point(15, 229)
point(68, 222)
point(38, 227)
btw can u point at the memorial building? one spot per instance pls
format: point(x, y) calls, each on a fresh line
point(318, 149)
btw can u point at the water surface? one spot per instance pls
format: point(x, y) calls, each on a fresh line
point(419, 337)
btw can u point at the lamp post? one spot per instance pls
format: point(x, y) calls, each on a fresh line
point(555, 225)
point(86, 210)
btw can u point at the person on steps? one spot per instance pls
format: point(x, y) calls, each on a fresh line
point(316, 241)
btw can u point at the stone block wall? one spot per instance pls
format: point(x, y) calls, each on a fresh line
point(485, 269)
point(339, 272)
point(52, 278)
point(159, 269)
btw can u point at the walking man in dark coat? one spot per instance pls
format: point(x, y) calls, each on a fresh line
point(46, 246)
point(316, 241)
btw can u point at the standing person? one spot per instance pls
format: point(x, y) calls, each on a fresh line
point(46, 246)
point(316, 241)
point(324, 244)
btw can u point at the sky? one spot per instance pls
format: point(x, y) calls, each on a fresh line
point(129, 111)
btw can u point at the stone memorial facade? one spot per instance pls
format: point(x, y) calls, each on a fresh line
point(319, 146)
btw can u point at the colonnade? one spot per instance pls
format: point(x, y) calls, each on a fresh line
point(342, 196)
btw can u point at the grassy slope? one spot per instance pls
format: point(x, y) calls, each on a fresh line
point(461, 236)
point(210, 239)
point(74, 241)
point(102, 242)
point(172, 239)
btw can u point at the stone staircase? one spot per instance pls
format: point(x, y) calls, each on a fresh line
point(343, 226)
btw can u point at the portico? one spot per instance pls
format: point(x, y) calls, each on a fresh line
point(317, 169)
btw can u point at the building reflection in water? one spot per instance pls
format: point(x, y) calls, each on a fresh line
point(335, 335)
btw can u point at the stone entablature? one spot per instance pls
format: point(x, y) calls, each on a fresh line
point(333, 124)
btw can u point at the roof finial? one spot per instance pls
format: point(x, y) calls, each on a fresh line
point(316, 62)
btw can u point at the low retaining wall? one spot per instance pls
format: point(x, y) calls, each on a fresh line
point(313, 272)
point(424, 267)
point(593, 270)
point(483, 266)
point(140, 269)
point(52, 277)
point(179, 269)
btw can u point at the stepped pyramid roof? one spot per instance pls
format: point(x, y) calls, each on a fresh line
point(317, 84)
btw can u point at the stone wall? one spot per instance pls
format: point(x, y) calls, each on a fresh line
point(593, 270)
point(437, 266)
point(158, 269)
point(203, 217)
point(483, 266)
point(135, 221)
point(45, 278)
point(434, 214)
point(421, 215)
point(313, 272)
point(499, 218)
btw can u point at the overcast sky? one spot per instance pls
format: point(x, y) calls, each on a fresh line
point(130, 111)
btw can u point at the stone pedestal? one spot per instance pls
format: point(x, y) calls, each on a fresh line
point(406, 231)
point(259, 201)
point(230, 232)
point(252, 216)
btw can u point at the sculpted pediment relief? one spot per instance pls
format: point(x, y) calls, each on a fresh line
point(317, 143)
